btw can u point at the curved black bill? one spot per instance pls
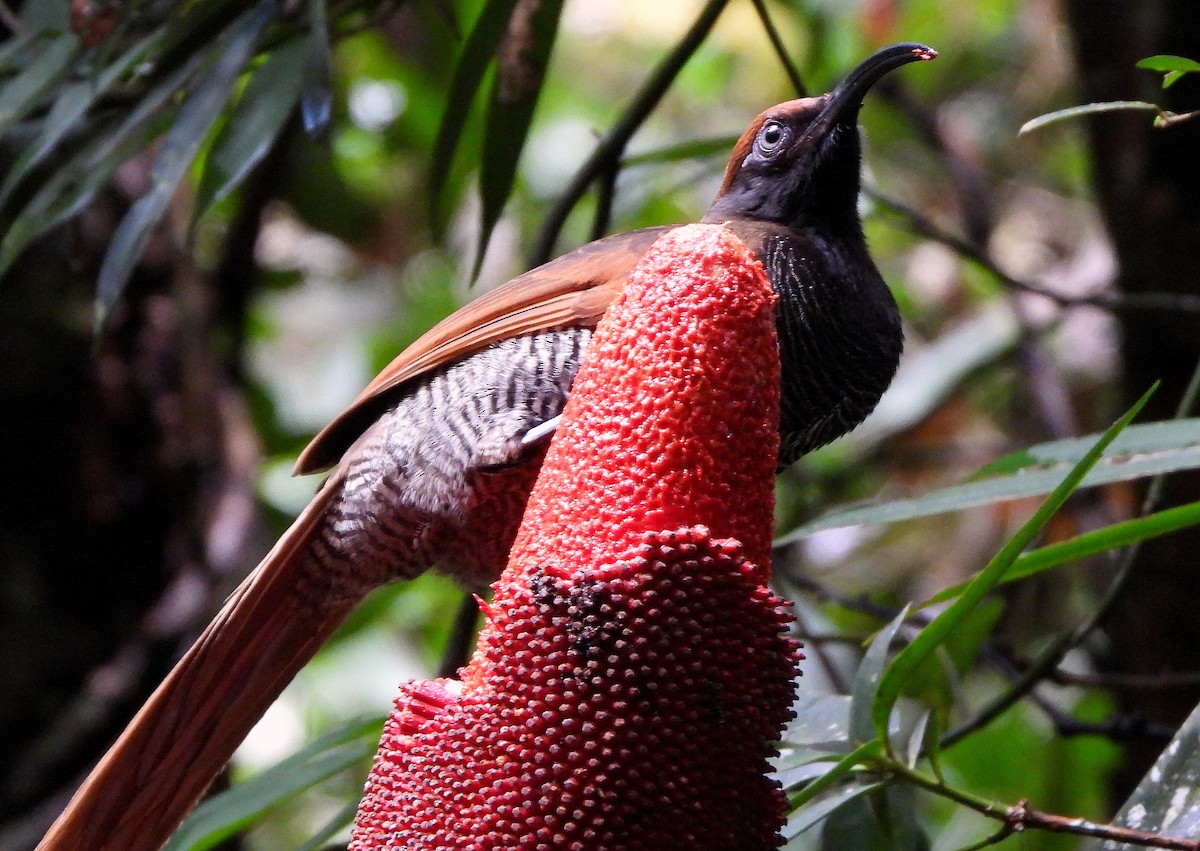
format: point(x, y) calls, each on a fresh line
point(848, 95)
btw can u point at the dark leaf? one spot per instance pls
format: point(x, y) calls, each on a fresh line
point(316, 102)
point(256, 120)
point(19, 95)
point(1167, 801)
point(521, 67)
point(196, 116)
point(74, 102)
point(468, 76)
point(74, 183)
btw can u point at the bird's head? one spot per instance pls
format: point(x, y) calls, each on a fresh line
point(798, 163)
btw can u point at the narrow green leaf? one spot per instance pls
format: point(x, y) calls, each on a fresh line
point(932, 636)
point(842, 768)
point(71, 187)
point(73, 184)
point(229, 812)
point(807, 817)
point(866, 680)
point(917, 739)
point(1089, 544)
point(255, 122)
point(515, 89)
point(1085, 109)
point(1142, 450)
point(803, 774)
point(74, 102)
point(196, 116)
point(342, 818)
point(477, 54)
point(22, 93)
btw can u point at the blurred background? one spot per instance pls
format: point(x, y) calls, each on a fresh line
point(1045, 279)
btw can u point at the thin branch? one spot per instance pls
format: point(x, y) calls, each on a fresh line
point(1125, 303)
point(611, 148)
point(462, 632)
point(605, 192)
point(781, 53)
point(1125, 682)
point(1021, 817)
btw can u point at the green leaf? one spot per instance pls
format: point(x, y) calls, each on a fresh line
point(1167, 801)
point(866, 680)
point(19, 95)
point(809, 816)
point(233, 50)
point(822, 721)
point(71, 187)
point(841, 769)
point(341, 819)
point(935, 634)
point(255, 122)
point(229, 812)
point(476, 56)
point(75, 182)
point(1089, 544)
point(1142, 450)
point(74, 102)
point(884, 821)
point(515, 88)
point(1085, 109)
point(1166, 62)
point(316, 102)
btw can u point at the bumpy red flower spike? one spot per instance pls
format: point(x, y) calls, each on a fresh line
point(630, 681)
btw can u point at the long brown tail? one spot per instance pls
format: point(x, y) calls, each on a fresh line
point(165, 760)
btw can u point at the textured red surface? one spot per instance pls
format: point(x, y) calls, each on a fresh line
point(673, 419)
point(629, 681)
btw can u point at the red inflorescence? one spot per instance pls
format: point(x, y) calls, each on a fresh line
point(629, 683)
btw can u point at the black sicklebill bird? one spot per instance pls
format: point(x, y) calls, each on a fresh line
point(433, 462)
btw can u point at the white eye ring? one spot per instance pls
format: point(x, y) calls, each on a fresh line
point(771, 137)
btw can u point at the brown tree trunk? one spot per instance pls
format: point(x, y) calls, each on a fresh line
point(128, 508)
point(1148, 184)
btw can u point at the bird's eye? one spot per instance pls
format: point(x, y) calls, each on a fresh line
point(772, 138)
